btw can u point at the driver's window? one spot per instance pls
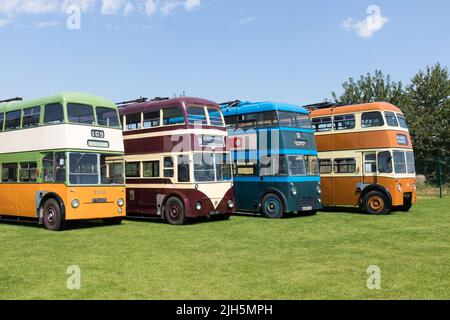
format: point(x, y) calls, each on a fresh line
point(370, 163)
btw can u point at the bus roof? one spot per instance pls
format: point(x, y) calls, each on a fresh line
point(74, 97)
point(342, 109)
point(164, 103)
point(231, 109)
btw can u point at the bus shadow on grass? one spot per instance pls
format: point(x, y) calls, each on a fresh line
point(286, 216)
point(70, 225)
point(156, 220)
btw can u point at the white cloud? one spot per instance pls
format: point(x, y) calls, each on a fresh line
point(28, 6)
point(85, 5)
point(150, 7)
point(4, 22)
point(247, 20)
point(129, 8)
point(191, 4)
point(372, 23)
point(111, 6)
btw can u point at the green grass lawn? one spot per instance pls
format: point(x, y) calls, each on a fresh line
point(320, 257)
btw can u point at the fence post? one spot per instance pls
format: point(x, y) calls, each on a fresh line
point(440, 176)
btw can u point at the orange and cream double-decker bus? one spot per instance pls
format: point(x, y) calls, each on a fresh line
point(366, 157)
point(53, 154)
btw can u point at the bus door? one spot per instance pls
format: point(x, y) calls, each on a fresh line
point(369, 172)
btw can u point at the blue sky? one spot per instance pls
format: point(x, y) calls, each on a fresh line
point(286, 50)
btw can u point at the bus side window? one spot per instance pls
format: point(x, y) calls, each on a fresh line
point(325, 166)
point(344, 122)
point(372, 119)
point(2, 120)
point(31, 117)
point(322, 124)
point(9, 172)
point(133, 169)
point(133, 121)
point(247, 121)
point(60, 167)
point(183, 169)
point(152, 119)
point(48, 168)
point(53, 113)
point(28, 172)
point(168, 167)
point(230, 122)
point(172, 116)
point(347, 165)
point(370, 163)
point(151, 169)
point(267, 119)
point(13, 120)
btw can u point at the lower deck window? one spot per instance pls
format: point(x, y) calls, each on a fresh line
point(347, 165)
point(151, 169)
point(83, 168)
point(28, 172)
point(326, 166)
point(183, 169)
point(133, 169)
point(9, 172)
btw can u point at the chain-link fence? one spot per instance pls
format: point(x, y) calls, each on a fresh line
point(433, 177)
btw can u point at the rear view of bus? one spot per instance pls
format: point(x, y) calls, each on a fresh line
point(275, 158)
point(53, 154)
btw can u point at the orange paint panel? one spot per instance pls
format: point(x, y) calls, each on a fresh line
point(345, 191)
point(20, 200)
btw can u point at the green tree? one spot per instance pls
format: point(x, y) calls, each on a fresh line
point(427, 109)
point(371, 88)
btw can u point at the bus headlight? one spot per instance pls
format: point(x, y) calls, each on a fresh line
point(230, 204)
point(120, 202)
point(319, 190)
point(119, 210)
point(399, 187)
point(75, 203)
point(198, 206)
point(294, 190)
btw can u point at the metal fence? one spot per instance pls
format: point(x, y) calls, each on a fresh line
point(433, 177)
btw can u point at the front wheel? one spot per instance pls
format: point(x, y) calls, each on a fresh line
point(272, 206)
point(52, 216)
point(376, 203)
point(174, 211)
point(113, 221)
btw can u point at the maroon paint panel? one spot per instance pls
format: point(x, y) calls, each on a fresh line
point(178, 143)
point(143, 201)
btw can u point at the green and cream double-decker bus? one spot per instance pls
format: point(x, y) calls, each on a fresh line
point(53, 154)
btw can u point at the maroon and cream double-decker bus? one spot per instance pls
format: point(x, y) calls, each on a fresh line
point(177, 166)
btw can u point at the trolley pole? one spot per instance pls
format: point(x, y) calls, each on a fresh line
point(440, 176)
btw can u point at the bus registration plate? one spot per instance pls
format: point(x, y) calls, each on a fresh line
point(307, 208)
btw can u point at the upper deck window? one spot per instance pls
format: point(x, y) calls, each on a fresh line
point(197, 115)
point(344, 122)
point(391, 119)
point(322, 124)
point(152, 119)
point(215, 117)
point(107, 117)
point(53, 113)
point(134, 121)
point(293, 119)
point(172, 116)
point(13, 120)
point(402, 121)
point(372, 119)
point(80, 113)
point(31, 117)
point(268, 119)
point(247, 121)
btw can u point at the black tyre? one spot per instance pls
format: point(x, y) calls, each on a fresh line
point(52, 216)
point(113, 221)
point(310, 213)
point(376, 203)
point(174, 211)
point(272, 206)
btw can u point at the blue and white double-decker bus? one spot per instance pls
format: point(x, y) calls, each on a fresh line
point(275, 158)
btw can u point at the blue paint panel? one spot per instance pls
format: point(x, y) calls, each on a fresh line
point(277, 179)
